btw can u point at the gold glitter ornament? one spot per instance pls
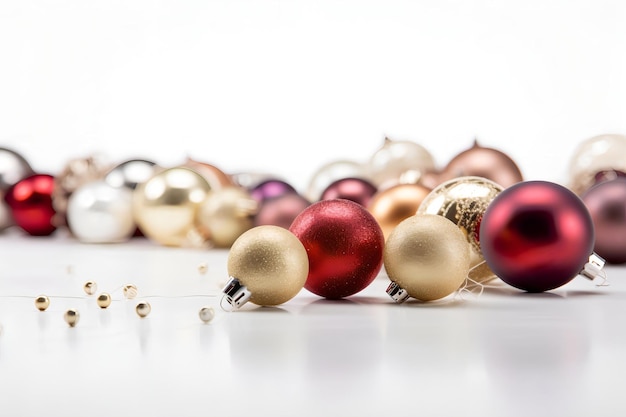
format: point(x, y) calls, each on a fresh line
point(268, 265)
point(463, 201)
point(104, 300)
point(71, 317)
point(143, 308)
point(90, 287)
point(42, 302)
point(130, 291)
point(426, 257)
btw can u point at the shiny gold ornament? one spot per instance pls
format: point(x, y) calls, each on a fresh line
point(399, 162)
point(143, 308)
point(71, 317)
point(268, 265)
point(463, 201)
point(90, 287)
point(331, 172)
point(129, 291)
point(42, 302)
point(213, 175)
point(392, 205)
point(226, 213)
point(599, 154)
point(166, 207)
point(206, 314)
point(426, 257)
point(104, 300)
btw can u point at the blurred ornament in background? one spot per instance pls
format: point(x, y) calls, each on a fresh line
point(166, 207)
point(267, 266)
point(354, 189)
point(399, 162)
point(281, 210)
point(606, 202)
point(463, 201)
point(226, 214)
point(331, 172)
point(426, 257)
point(131, 173)
point(344, 245)
point(537, 236)
point(13, 168)
point(30, 201)
point(249, 180)
point(478, 161)
point(271, 188)
point(213, 175)
point(394, 204)
point(6, 219)
point(75, 173)
point(98, 212)
point(594, 158)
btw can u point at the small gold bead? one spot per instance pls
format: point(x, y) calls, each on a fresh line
point(90, 287)
point(71, 317)
point(104, 300)
point(42, 302)
point(130, 291)
point(143, 309)
point(206, 314)
point(203, 268)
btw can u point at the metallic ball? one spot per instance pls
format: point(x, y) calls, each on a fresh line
point(354, 189)
point(71, 317)
point(427, 256)
point(131, 173)
point(104, 300)
point(97, 212)
point(271, 188)
point(42, 302)
point(331, 172)
point(166, 207)
point(31, 204)
point(90, 287)
point(206, 314)
point(399, 161)
point(394, 204)
point(271, 262)
point(130, 291)
point(595, 155)
point(143, 308)
point(281, 210)
point(13, 168)
point(215, 177)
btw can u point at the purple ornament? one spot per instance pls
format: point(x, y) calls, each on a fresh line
point(270, 189)
point(281, 210)
point(354, 189)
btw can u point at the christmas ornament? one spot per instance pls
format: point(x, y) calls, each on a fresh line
point(479, 161)
point(250, 180)
point(143, 308)
point(166, 207)
point(226, 213)
point(463, 201)
point(280, 211)
point(42, 303)
point(71, 317)
point(537, 236)
point(331, 172)
point(354, 189)
point(606, 202)
point(215, 177)
point(104, 300)
point(344, 246)
point(100, 213)
point(594, 156)
point(30, 201)
point(394, 204)
point(129, 291)
point(426, 257)
point(13, 168)
point(399, 161)
point(271, 189)
point(90, 287)
point(131, 173)
point(267, 266)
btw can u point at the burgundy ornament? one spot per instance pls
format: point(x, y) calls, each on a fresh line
point(344, 244)
point(537, 236)
point(30, 201)
point(270, 189)
point(280, 211)
point(353, 189)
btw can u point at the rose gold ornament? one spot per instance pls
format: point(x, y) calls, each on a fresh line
point(596, 155)
point(213, 175)
point(399, 162)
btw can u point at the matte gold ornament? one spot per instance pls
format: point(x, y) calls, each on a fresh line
point(42, 302)
point(331, 172)
point(90, 287)
point(104, 300)
point(226, 213)
point(71, 317)
point(268, 265)
point(206, 314)
point(596, 155)
point(129, 291)
point(463, 201)
point(143, 308)
point(392, 205)
point(426, 257)
point(166, 207)
point(398, 162)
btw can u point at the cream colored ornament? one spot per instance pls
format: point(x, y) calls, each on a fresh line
point(426, 257)
point(599, 154)
point(331, 172)
point(399, 162)
point(166, 207)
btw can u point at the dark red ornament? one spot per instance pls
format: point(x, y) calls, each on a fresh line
point(30, 201)
point(536, 235)
point(353, 189)
point(344, 244)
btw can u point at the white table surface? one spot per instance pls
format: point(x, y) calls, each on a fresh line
point(503, 353)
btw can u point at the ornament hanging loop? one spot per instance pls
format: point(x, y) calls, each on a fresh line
point(397, 293)
point(236, 294)
point(594, 269)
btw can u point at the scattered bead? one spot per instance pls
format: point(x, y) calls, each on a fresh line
point(71, 317)
point(90, 287)
point(42, 302)
point(130, 291)
point(206, 314)
point(143, 309)
point(104, 300)
point(203, 268)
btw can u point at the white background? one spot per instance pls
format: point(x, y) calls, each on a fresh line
point(286, 86)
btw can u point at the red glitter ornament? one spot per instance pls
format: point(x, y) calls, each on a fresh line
point(537, 235)
point(344, 244)
point(30, 201)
